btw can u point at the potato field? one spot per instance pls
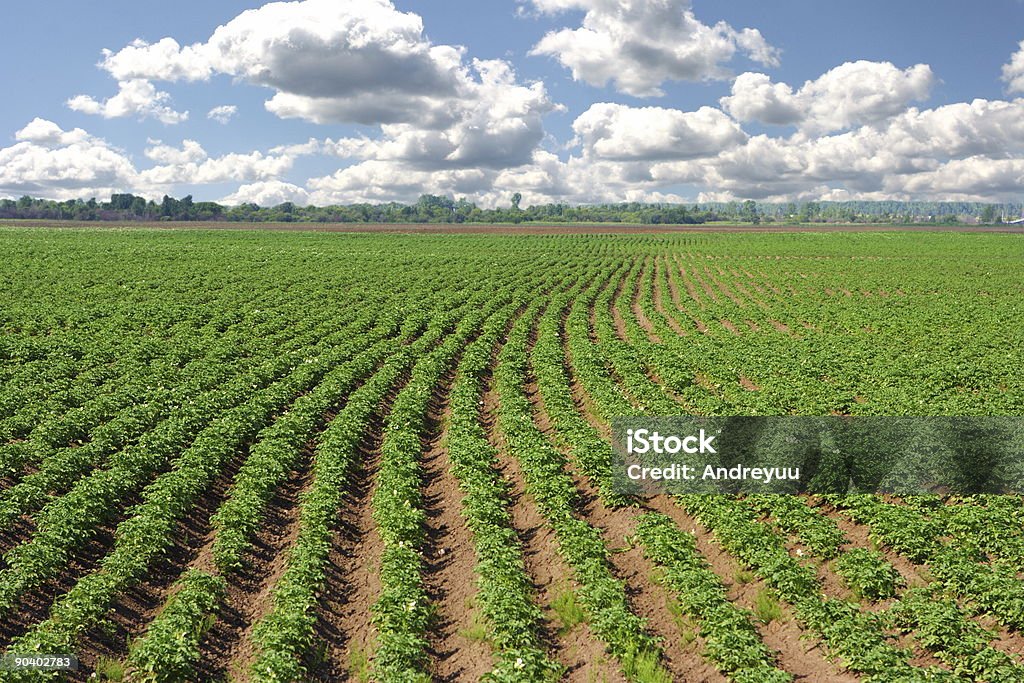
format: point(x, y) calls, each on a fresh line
point(298, 456)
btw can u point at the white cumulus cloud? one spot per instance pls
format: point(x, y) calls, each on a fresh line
point(852, 94)
point(639, 45)
point(364, 61)
point(135, 97)
point(223, 113)
point(267, 193)
point(1013, 71)
point(357, 61)
point(619, 132)
point(47, 161)
point(190, 164)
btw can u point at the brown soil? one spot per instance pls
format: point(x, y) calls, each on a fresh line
point(659, 307)
point(729, 294)
point(797, 652)
point(343, 617)
point(578, 650)
point(857, 535)
point(133, 611)
point(226, 649)
point(1011, 642)
point(729, 325)
point(748, 384)
point(19, 531)
point(647, 598)
point(523, 229)
point(691, 289)
point(34, 605)
point(634, 303)
point(449, 558)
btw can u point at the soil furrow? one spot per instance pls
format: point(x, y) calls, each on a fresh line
point(801, 656)
point(226, 648)
point(576, 647)
point(658, 305)
point(449, 558)
point(634, 302)
point(617, 526)
point(132, 612)
point(344, 626)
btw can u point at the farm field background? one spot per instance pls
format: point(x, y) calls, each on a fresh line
point(304, 456)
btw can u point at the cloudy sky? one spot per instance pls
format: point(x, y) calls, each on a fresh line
point(582, 101)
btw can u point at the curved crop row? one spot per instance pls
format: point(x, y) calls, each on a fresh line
point(864, 571)
point(63, 467)
point(992, 589)
point(732, 642)
point(857, 638)
point(504, 591)
point(579, 543)
point(403, 612)
point(69, 521)
point(149, 529)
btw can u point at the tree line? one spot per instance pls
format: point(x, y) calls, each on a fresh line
point(440, 209)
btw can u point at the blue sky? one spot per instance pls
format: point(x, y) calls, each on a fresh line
point(576, 100)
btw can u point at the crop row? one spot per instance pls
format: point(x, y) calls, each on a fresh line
point(504, 591)
point(235, 522)
point(993, 589)
point(150, 527)
point(592, 455)
point(270, 461)
point(580, 544)
point(70, 521)
point(857, 638)
point(731, 640)
point(285, 637)
point(403, 611)
point(62, 467)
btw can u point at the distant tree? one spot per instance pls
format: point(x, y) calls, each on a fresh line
point(749, 212)
point(516, 198)
point(988, 214)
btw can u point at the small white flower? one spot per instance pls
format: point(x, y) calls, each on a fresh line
point(520, 663)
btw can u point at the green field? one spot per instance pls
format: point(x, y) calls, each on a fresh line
point(248, 455)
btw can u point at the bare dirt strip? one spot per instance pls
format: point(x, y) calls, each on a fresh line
point(344, 628)
point(577, 649)
point(797, 653)
point(648, 598)
point(449, 557)
point(34, 605)
point(657, 294)
point(226, 650)
point(634, 301)
point(521, 229)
